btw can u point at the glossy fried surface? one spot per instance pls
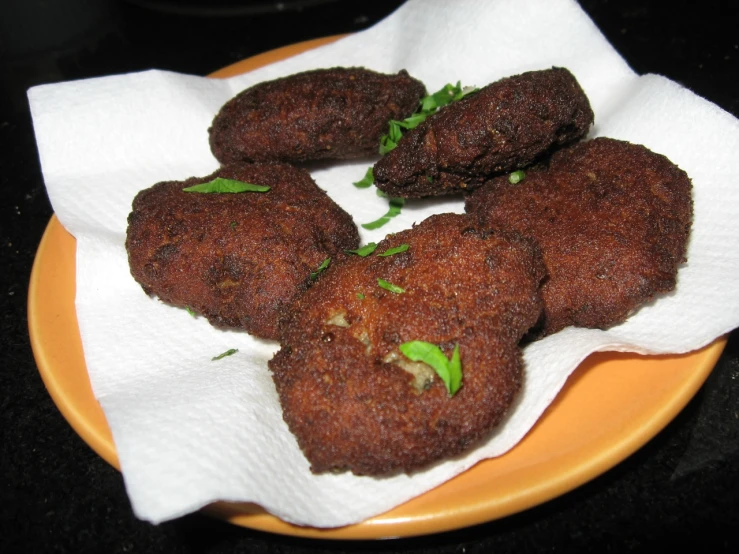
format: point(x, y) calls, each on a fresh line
point(333, 113)
point(237, 259)
point(505, 125)
point(343, 391)
point(612, 220)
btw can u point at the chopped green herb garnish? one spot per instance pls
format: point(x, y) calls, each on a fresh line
point(428, 105)
point(191, 311)
point(386, 145)
point(381, 193)
point(324, 264)
point(395, 250)
point(449, 93)
point(367, 181)
point(220, 185)
point(450, 371)
point(360, 296)
point(394, 134)
point(429, 178)
point(376, 224)
point(233, 225)
point(516, 177)
point(389, 286)
point(229, 352)
point(395, 205)
point(455, 371)
point(366, 250)
point(413, 121)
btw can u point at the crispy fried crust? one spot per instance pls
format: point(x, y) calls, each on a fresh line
point(322, 114)
point(612, 219)
point(345, 396)
point(237, 259)
point(506, 125)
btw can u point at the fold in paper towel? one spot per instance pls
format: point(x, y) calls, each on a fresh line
point(188, 433)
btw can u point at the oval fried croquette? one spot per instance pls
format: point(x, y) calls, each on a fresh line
point(333, 113)
point(505, 125)
point(612, 220)
point(238, 259)
point(349, 395)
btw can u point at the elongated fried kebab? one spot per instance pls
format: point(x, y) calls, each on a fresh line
point(612, 220)
point(238, 259)
point(349, 395)
point(505, 125)
point(333, 113)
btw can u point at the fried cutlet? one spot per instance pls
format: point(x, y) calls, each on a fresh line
point(348, 393)
point(612, 220)
point(238, 259)
point(336, 113)
point(505, 125)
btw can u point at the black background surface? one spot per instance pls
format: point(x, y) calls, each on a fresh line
point(57, 495)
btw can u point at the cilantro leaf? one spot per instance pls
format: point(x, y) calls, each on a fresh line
point(413, 121)
point(516, 177)
point(221, 185)
point(324, 264)
point(366, 250)
point(440, 98)
point(386, 144)
point(366, 181)
point(387, 285)
point(228, 352)
point(450, 371)
point(395, 250)
point(455, 371)
point(429, 104)
point(395, 205)
point(446, 95)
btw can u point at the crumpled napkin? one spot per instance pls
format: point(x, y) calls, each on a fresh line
point(189, 430)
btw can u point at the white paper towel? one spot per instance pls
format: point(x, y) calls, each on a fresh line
point(190, 431)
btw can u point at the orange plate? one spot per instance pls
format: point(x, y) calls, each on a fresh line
point(612, 405)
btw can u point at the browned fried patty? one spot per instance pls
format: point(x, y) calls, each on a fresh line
point(612, 220)
point(506, 125)
point(354, 401)
point(237, 259)
point(322, 114)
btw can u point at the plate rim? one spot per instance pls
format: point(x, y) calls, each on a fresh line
point(396, 522)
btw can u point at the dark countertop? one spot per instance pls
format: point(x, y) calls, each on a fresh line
point(57, 495)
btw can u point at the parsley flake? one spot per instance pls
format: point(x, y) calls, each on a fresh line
point(229, 352)
point(446, 95)
point(450, 371)
point(324, 264)
point(221, 185)
point(389, 141)
point(366, 250)
point(395, 205)
point(429, 105)
point(516, 177)
point(191, 311)
point(367, 180)
point(387, 285)
point(395, 250)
